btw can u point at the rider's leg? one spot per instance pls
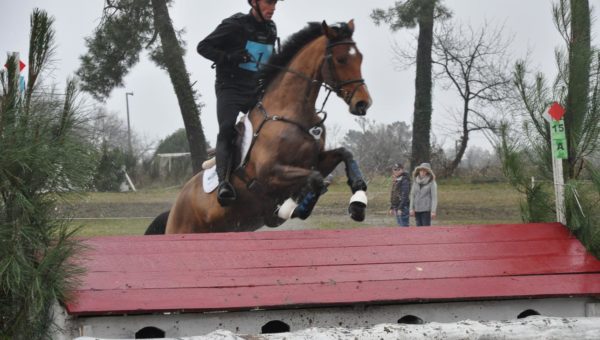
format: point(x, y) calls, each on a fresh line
point(229, 103)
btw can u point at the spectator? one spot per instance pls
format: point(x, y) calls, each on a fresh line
point(423, 196)
point(399, 199)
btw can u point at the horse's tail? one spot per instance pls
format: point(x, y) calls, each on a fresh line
point(159, 225)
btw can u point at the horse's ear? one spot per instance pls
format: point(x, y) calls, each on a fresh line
point(351, 25)
point(327, 31)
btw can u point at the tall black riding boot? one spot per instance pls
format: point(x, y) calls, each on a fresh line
point(225, 192)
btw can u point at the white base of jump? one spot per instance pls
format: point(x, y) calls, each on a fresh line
point(580, 312)
point(533, 327)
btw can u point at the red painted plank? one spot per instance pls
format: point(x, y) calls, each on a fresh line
point(337, 254)
point(244, 277)
point(329, 293)
point(391, 236)
point(432, 232)
point(237, 271)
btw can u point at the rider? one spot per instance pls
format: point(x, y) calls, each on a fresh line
point(237, 47)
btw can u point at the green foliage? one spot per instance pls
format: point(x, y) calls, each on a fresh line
point(576, 71)
point(576, 87)
point(582, 201)
point(408, 13)
point(43, 155)
point(174, 143)
point(127, 28)
point(115, 47)
point(109, 173)
point(538, 203)
point(577, 104)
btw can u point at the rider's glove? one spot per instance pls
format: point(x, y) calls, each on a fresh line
point(239, 57)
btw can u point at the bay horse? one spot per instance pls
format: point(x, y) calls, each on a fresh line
point(287, 153)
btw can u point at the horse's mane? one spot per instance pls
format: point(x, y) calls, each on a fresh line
point(293, 45)
point(289, 49)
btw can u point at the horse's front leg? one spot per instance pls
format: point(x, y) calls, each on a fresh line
point(328, 160)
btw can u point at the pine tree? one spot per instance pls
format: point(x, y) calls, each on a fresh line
point(408, 14)
point(127, 28)
point(42, 154)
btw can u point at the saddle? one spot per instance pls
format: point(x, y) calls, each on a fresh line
point(241, 146)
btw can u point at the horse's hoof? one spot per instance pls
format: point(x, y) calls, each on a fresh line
point(357, 211)
point(274, 222)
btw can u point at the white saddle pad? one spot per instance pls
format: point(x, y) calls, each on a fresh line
point(210, 179)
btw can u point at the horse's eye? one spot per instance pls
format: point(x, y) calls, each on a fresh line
point(342, 60)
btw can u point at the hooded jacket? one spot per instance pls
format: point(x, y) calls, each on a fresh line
point(423, 195)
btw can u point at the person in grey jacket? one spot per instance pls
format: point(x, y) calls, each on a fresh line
point(423, 195)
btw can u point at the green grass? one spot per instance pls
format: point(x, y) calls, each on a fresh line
point(105, 227)
point(459, 204)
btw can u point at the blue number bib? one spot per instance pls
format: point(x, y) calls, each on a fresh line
point(260, 55)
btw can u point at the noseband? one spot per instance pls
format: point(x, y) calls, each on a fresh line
point(337, 85)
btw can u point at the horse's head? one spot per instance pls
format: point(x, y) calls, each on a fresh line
point(342, 67)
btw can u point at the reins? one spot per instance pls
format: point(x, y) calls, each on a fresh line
point(336, 86)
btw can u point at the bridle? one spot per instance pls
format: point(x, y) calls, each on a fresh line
point(333, 84)
point(336, 85)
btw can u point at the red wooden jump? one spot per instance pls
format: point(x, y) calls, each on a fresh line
point(293, 269)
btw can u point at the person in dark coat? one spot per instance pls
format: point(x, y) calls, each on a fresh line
point(399, 198)
point(238, 47)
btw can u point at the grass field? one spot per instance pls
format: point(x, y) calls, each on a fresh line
point(459, 204)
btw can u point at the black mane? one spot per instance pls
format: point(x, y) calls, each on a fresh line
point(289, 49)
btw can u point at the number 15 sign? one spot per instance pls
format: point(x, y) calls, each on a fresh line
point(557, 131)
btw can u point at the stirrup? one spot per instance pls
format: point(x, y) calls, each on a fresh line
point(226, 194)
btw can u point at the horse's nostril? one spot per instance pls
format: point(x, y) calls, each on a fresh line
point(361, 108)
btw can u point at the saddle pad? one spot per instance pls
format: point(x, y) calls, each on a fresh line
point(210, 180)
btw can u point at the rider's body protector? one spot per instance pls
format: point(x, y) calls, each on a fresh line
point(237, 33)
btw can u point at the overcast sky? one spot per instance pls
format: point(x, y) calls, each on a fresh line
point(154, 110)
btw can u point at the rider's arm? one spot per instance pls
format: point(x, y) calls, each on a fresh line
point(215, 46)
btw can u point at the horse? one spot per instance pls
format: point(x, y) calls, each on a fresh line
point(287, 154)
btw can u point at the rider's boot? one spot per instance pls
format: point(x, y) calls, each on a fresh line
point(226, 194)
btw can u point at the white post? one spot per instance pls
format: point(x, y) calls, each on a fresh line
point(559, 190)
point(127, 94)
point(129, 181)
point(558, 142)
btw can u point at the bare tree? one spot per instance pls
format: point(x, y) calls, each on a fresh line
point(475, 63)
point(377, 146)
point(108, 128)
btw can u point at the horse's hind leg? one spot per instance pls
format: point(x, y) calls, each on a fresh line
point(307, 201)
point(158, 225)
